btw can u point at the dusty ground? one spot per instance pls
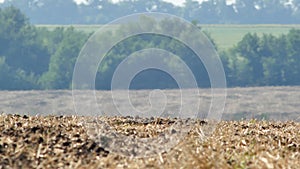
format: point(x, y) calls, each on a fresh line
point(63, 142)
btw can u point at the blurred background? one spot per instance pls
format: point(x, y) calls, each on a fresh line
point(258, 42)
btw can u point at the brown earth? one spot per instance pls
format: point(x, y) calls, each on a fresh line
point(63, 142)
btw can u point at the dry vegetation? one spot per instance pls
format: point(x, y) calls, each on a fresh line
point(62, 142)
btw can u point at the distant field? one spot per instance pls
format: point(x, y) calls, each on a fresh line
point(269, 103)
point(225, 36)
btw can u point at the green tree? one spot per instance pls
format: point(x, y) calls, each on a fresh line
point(19, 43)
point(6, 76)
point(275, 54)
point(249, 48)
point(59, 75)
point(293, 72)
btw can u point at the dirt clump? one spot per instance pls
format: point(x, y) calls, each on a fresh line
point(63, 142)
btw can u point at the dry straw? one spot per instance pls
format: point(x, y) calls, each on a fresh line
point(62, 142)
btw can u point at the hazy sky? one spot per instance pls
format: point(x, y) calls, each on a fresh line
point(175, 2)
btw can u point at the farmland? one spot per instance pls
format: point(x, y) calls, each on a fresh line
point(260, 128)
point(42, 124)
point(62, 142)
point(225, 36)
point(270, 103)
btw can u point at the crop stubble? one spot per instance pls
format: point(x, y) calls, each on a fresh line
point(62, 142)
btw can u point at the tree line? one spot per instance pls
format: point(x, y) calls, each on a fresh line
point(38, 58)
point(266, 60)
point(207, 12)
point(35, 58)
